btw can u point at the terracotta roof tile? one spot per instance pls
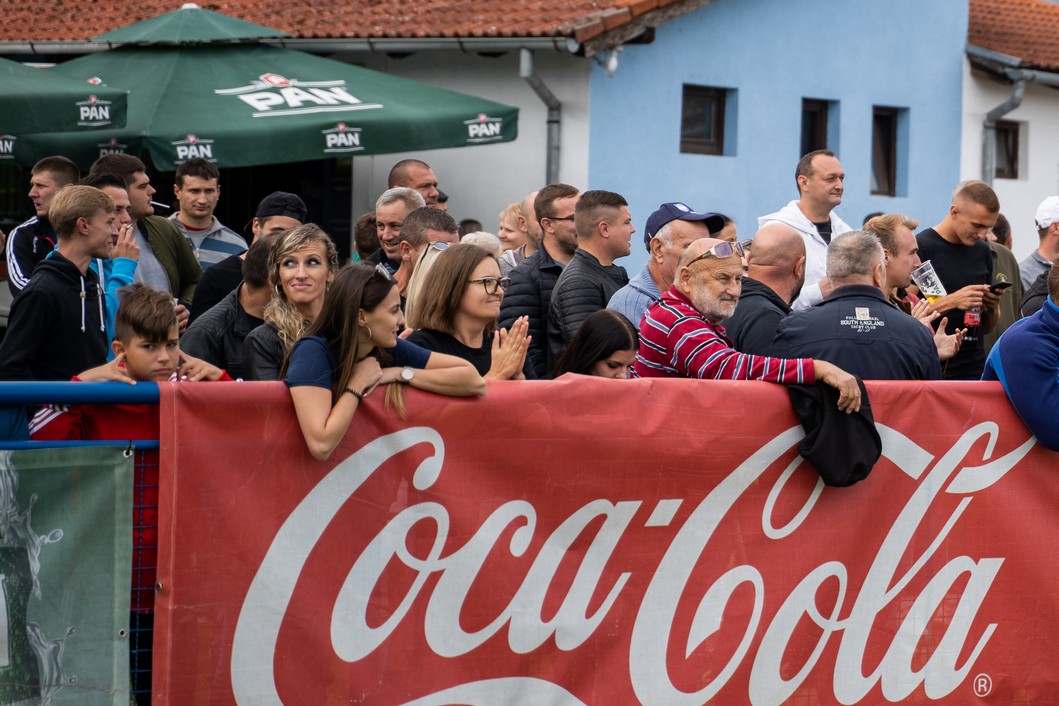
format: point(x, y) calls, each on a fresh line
point(80, 20)
point(1026, 29)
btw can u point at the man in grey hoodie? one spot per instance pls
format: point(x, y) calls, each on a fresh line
point(820, 182)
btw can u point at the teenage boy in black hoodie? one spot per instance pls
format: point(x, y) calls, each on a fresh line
point(57, 324)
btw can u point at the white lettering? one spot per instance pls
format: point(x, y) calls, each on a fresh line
point(483, 129)
point(264, 100)
point(342, 139)
point(95, 112)
point(7, 146)
point(896, 575)
point(191, 151)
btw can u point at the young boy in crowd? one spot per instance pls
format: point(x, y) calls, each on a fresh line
point(146, 349)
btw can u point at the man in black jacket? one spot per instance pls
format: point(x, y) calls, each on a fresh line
point(604, 234)
point(30, 243)
point(775, 277)
point(856, 327)
point(532, 282)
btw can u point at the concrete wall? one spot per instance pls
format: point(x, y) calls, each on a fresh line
point(481, 181)
point(774, 53)
point(1039, 159)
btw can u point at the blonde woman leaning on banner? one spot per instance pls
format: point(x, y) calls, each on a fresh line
point(351, 348)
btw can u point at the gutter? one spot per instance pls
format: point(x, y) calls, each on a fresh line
point(528, 72)
point(1011, 68)
point(397, 45)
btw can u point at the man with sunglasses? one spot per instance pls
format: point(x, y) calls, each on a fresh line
point(604, 234)
point(681, 335)
point(669, 231)
point(421, 227)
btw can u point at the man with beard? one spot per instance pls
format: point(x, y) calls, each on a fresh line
point(681, 335)
point(532, 282)
point(856, 327)
point(774, 279)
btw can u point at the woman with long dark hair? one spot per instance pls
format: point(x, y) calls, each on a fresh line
point(352, 347)
point(604, 346)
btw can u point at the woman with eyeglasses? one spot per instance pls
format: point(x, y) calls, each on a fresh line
point(351, 348)
point(456, 312)
point(302, 265)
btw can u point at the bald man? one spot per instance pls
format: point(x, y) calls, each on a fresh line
point(681, 335)
point(774, 280)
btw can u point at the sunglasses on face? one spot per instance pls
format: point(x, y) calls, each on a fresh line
point(721, 250)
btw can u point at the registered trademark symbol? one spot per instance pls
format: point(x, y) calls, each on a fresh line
point(983, 684)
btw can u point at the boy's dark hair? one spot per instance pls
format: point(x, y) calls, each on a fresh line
point(144, 312)
point(366, 235)
point(197, 167)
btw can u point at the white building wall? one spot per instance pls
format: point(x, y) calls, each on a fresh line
point(481, 181)
point(1039, 150)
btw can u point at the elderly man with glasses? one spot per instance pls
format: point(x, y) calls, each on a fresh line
point(681, 335)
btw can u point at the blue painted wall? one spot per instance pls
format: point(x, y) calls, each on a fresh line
point(774, 53)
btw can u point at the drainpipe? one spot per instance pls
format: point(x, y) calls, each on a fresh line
point(1018, 89)
point(527, 72)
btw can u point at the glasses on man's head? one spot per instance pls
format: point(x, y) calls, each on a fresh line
point(439, 245)
point(554, 218)
point(721, 250)
point(491, 284)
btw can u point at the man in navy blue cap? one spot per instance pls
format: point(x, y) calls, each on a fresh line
point(669, 232)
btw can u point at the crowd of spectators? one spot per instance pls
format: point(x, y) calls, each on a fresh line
point(107, 291)
point(806, 299)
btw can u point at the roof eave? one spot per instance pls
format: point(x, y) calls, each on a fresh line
point(387, 45)
point(1011, 68)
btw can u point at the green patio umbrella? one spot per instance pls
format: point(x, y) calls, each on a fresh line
point(249, 104)
point(35, 100)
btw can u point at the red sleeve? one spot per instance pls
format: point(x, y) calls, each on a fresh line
point(59, 423)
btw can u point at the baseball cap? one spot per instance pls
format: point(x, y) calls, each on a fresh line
point(281, 203)
point(677, 211)
point(1047, 212)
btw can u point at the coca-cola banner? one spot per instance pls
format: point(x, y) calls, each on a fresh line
point(65, 552)
point(590, 541)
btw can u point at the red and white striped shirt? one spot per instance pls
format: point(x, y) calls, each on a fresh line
point(677, 341)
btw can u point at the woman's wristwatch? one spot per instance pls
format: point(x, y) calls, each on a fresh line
point(408, 374)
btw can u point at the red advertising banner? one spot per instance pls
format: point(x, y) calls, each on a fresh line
point(590, 541)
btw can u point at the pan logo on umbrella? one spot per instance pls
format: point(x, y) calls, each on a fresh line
point(484, 129)
point(272, 95)
point(7, 146)
point(342, 138)
point(93, 112)
point(111, 146)
point(193, 146)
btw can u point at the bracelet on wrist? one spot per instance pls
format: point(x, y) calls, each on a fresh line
point(359, 396)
